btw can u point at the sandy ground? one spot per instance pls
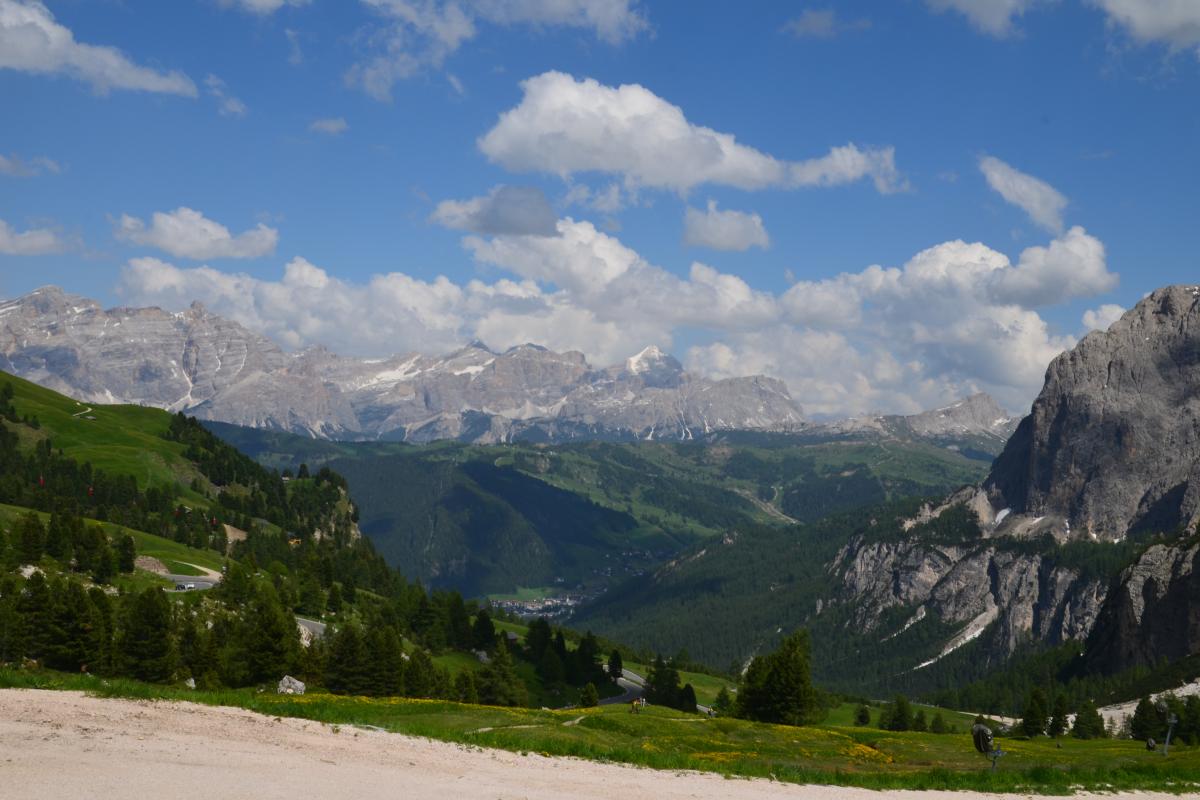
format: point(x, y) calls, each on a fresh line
point(67, 745)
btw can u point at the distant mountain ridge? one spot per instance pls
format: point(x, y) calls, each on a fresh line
point(216, 369)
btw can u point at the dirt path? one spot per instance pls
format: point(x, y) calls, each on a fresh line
point(65, 745)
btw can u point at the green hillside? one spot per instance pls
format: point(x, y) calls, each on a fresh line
point(582, 517)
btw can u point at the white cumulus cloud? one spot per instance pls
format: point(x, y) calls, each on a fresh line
point(186, 233)
point(564, 126)
point(1175, 23)
point(994, 17)
point(33, 242)
point(227, 104)
point(32, 41)
point(724, 230)
point(513, 210)
point(1042, 202)
point(1099, 319)
point(954, 319)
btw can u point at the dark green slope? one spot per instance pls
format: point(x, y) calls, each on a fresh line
point(489, 519)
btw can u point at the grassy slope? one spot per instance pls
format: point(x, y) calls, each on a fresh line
point(171, 553)
point(121, 439)
point(666, 739)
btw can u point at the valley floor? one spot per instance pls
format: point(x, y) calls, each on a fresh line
point(60, 744)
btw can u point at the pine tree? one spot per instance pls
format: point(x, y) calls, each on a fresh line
point(862, 715)
point(723, 704)
point(589, 697)
point(1058, 719)
point(126, 554)
point(538, 639)
point(33, 606)
point(271, 638)
point(498, 682)
point(104, 569)
point(550, 668)
point(900, 716)
point(67, 635)
point(1149, 721)
point(616, 665)
point(58, 540)
point(1088, 722)
point(687, 699)
point(333, 604)
point(12, 629)
point(778, 687)
point(419, 677)
point(938, 725)
point(31, 538)
point(146, 650)
point(464, 688)
point(483, 633)
point(385, 662)
point(1033, 723)
point(919, 723)
point(345, 666)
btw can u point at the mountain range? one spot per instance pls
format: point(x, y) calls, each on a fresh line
point(216, 369)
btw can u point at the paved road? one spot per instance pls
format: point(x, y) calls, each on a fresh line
point(317, 629)
point(199, 582)
point(632, 683)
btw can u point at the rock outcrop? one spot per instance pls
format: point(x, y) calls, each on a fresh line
point(1112, 445)
point(210, 367)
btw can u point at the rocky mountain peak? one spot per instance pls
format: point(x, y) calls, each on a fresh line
point(1112, 443)
point(214, 368)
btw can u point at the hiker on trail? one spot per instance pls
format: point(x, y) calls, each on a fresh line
point(633, 706)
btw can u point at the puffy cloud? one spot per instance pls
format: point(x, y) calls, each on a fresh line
point(227, 104)
point(32, 41)
point(1099, 319)
point(16, 167)
point(1175, 23)
point(33, 242)
point(186, 233)
point(262, 7)
point(723, 230)
point(822, 23)
point(1042, 202)
point(952, 320)
point(332, 126)
point(564, 126)
point(994, 17)
point(512, 210)
point(418, 34)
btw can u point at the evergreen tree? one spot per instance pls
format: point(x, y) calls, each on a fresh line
point(1149, 720)
point(483, 633)
point(464, 688)
point(460, 631)
point(498, 682)
point(687, 699)
point(31, 538)
point(33, 606)
point(67, 642)
point(1189, 720)
point(550, 668)
point(589, 697)
point(385, 662)
point(662, 684)
point(900, 715)
point(126, 554)
point(419, 677)
point(333, 604)
point(778, 687)
point(585, 665)
point(147, 652)
point(1058, 719)
point(538, 639)
point(12, 628)
point(271, 639)
point(345, 667)
point(616, 665)
point(1033, 723)
point(58, 540)
point(919, 723)
point(104, 568)
point(862, 715)
point(723, 704)
point(938, 724)
point(1088, 722)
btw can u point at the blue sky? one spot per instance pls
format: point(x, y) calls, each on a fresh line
point(718, 179)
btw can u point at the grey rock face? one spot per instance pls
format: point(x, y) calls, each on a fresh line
point(1152, 614)
point(1113, 441)
point(216, 369)
point(977, 422)
point(981, 588)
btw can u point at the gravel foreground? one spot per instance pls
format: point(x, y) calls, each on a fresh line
point(67, 745)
